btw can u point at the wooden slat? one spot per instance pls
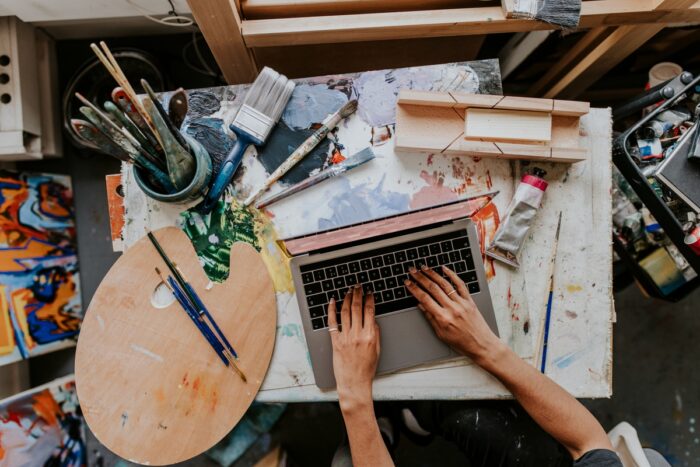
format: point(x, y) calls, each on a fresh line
point(220, 23)
point(449, 22)
point(619, 44)
point(592, 38)
point(266, 9)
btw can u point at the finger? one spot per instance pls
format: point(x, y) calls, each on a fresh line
point(424, 299)
point(356, 308)
point(345, 313)
point(431, 287)
point(439, 280)
point(369, 310)
point(332, 320)
point(458, 283)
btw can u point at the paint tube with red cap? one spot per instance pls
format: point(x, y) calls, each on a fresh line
point(693, 239)
point(511, 234)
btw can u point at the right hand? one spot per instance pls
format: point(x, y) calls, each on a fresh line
point(454, 317)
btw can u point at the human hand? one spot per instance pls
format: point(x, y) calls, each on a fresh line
point(452, 313)
point(355, 348)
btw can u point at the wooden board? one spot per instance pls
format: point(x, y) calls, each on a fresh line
point(151, 388)
point(515, 126)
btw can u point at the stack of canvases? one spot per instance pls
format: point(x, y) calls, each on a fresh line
point(40, 307)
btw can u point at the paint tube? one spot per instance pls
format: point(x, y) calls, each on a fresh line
point(522, 209)
point(692, 239)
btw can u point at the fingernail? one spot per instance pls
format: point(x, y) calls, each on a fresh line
point(412, 270)
point(358, 286)
point(406, 282)
point(444, 268)
point(424, 267)
point(332, 301)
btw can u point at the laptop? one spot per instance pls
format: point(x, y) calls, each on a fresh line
point(378, 255)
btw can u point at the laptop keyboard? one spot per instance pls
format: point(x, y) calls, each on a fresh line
point(383, 271)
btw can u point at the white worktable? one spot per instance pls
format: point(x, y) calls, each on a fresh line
point(580, 347)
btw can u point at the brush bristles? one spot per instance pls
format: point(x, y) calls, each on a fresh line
point(269, 93)
point(564, 13)
point(349, 108)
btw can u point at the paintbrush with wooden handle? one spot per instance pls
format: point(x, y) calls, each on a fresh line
point(305, 148)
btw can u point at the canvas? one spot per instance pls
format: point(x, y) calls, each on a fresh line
point(43, 426)
point(40, 306)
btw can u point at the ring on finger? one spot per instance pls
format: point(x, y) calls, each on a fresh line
point(451, 292)
point(333, 329)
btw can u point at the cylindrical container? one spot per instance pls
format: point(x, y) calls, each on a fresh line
point(693, 239)
point(196, 188)
point(662, 72)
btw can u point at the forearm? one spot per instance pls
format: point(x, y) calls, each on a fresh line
point(552, 407)
point(366, 444)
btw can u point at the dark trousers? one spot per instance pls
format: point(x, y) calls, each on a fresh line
point(492, 433)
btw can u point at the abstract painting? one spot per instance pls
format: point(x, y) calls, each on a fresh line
point(43, 426)
point(40, 307)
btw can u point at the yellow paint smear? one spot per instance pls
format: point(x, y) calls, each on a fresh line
point(275, 259)
point(574, 288)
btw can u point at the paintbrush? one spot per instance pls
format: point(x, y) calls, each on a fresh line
point(180, 162)
point(564, 13)
point(177, 108)
point(544, 328)
point(105, 56)
point(350, 163)
point(134, 131)
point(261, 109)
point(89, 132)
point(182, 300)
point(102, 124)
point(189, 292)
point(305, 148)
point(204, 312)
point(163, 114)
point(120, 98)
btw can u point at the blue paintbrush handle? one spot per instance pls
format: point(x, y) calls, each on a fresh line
point(198, 303)
point(547, 319)
point(227, 170)
point(180, 296)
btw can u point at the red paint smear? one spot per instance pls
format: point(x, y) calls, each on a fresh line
point(487, 222)
point(489, 183)
point(195, 385)
point(434, 193)
point(185, 381)
point(509, 296)
point(337, 157)
point(430, 159)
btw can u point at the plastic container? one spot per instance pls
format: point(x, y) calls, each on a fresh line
point(197, 187)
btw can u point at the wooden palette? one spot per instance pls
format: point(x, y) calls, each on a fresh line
point(151, 388)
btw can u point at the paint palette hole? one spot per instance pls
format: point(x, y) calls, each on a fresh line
point(162, 297)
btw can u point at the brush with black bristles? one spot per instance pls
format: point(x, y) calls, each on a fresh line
point(564, 13)
point(261, 109)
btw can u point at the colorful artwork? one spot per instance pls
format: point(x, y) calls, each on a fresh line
point(43, 427)
point(40, 307)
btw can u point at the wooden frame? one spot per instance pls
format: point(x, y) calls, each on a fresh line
point(234, 28)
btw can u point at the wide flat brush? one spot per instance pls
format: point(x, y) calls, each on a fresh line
point(564, 13)
point(261, 109)
point(305, 148)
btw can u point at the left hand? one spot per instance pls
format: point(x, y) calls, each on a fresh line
point(355, 348)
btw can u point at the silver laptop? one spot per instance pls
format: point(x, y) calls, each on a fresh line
point(377, 255)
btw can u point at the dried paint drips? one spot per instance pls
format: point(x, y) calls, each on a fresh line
point(487, 221)
point(311, 103)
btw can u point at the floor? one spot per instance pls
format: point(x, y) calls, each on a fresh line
point(656, 386)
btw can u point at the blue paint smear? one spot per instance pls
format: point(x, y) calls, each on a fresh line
point(361, 203)
point(567, 359)
point(312, 103)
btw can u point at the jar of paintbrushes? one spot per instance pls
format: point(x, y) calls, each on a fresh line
point(168, 165)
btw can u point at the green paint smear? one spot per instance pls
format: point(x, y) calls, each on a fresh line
point(214, 234)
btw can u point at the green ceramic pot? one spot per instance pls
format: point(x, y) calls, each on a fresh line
point(196, 188)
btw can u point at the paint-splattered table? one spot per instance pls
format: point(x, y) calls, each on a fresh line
point(580, 342)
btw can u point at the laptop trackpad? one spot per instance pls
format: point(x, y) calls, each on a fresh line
point(407, 339)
